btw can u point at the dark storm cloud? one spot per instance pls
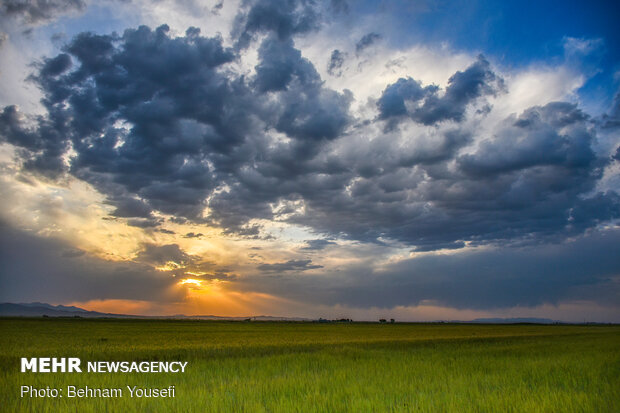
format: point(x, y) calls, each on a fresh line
point(280, 63)
point(131, 207)
point(335, 63)
point(552, 135)
point(313, 117)
point(407, 97)
point(317, 244)
point(366, 41)
point(157, 125)
point(162, 254)
point(141, 111)
point(284, 18)
point(163, 124)
point(36, 11)
point(527, 184)
point(302, 109)
point(392, 101)
point(585, 269)
point(306, 110)
point(292, 265)
point(55, 66)
point(44, 147)
point(44, 269)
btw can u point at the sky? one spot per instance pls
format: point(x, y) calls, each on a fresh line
point(416, 160)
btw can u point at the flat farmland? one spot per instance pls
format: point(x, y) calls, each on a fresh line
point(316, 367)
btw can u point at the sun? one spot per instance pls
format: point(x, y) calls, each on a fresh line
point(191, 282)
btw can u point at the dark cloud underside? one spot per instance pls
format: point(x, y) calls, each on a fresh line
point(586, 269)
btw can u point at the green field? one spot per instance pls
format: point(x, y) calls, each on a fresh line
point(311, 367)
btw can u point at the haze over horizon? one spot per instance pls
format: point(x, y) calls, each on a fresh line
point(410, 160)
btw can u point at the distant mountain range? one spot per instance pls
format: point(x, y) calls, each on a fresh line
point(48, 310)
point(43, 309)
point(54, 307)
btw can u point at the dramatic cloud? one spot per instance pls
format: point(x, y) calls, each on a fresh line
point(131, 207)
point(280, 63)
point(407, 97)
point(132, 116)
point(165, 125)
point(283, 18)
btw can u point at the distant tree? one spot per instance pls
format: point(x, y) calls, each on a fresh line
point(383, 320)
point(392, 320)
